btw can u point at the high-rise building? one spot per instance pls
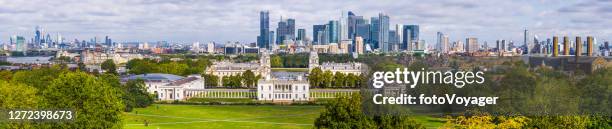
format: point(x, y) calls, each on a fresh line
point(332, 30)
point(399, 33)
point(374, 32)
point(411, 35)
point(383, 33)
point(590, 45)
point(566, 45)
point(359, 45)
point(392, 45)
point(578, 48)
point(439, 36)
point(343, 28)
point(38, 36)
point(263, 40)
point(555, 46)
point(301, 36)
point(471, 44)
point(362, 29)
point(285, 30)
point(316, 29)
point(445, 44)
point(353, 22)
point(525, 40)
point(20, 45)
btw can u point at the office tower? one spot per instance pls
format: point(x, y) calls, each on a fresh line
point(343, 28)
point(411, 35)
point(37, 36)
point(20, 45)
point(332, 30)
point(578, 51)
point(374, 32)
point(392, 41)
point(525, 42)
point(359, 45)
point(362, 29)
point(263, 40)
point(271, 40)
point(439, 36)
point(400, 35)
point(301, 36)
point(285, 30)
point(353, 23)
point(383, 32)
point(590, 45)
point(445, 44)
point(471, 44)
point(566, 45)
point(555, 46)
point(316, 29)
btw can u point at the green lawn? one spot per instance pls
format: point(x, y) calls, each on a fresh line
point(222, 116)
point(170, 116)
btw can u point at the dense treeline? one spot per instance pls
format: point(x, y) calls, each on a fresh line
point(248, 79)
point(183, 67)
point(327, 79)
point(97, 100)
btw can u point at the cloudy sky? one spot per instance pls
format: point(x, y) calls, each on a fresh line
point(227, 20)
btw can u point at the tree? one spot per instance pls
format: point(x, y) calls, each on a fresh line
point(327, 79)
point(17, 96)
point(344, 113)
point(95, 102)
point(210, 80)
point(109, 66)
point(314, 78)
point(6, 75)
point(339, 80)
point(276, 61)
point(249, 78)
point(136, 95)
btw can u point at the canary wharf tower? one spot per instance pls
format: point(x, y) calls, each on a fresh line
point(263, 40)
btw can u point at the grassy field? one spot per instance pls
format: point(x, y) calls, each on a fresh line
point(222, 116)
point(168, 116)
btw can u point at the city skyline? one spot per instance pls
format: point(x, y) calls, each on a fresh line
point(206, 21)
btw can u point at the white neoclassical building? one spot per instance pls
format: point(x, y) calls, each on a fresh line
point(225, 68)
point(168, 86)
point(283, 89)
point(355, 68)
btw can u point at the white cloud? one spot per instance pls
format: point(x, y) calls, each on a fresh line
point(228, 20)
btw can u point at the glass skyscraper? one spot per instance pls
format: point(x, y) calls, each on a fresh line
point(383, 36)
point(301, 34)
point(333, 32)
point(374, 32)
point(263, 40)
point(410, 35)
point(316, 29)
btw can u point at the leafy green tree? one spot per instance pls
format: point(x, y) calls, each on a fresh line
point(210, 80)
point(95, 102)
point(136, 95)
point(6, 75)
point(17, 96)
point(109, 66)
point(249, 78)
point(344, 113)
point(339, 80)
point(276, 61)
point(314, 77)
point(327, 79)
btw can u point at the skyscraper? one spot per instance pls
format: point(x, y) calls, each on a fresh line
point(301, 35)
point(566, 45)
point(285, 30)
point(359, 45)
point(374, 32)
point(343, 28)
point(332, 30)
point(525, 42)
point(37, 36)
point(439, 36)
point(590, 45)
point(383, 33)
point(316, 29)
point(362, 29)
point(578, 48)
point(400, 35)
point(555, 46)
point(471, 45)
point(411, 35)
point(263, 40)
